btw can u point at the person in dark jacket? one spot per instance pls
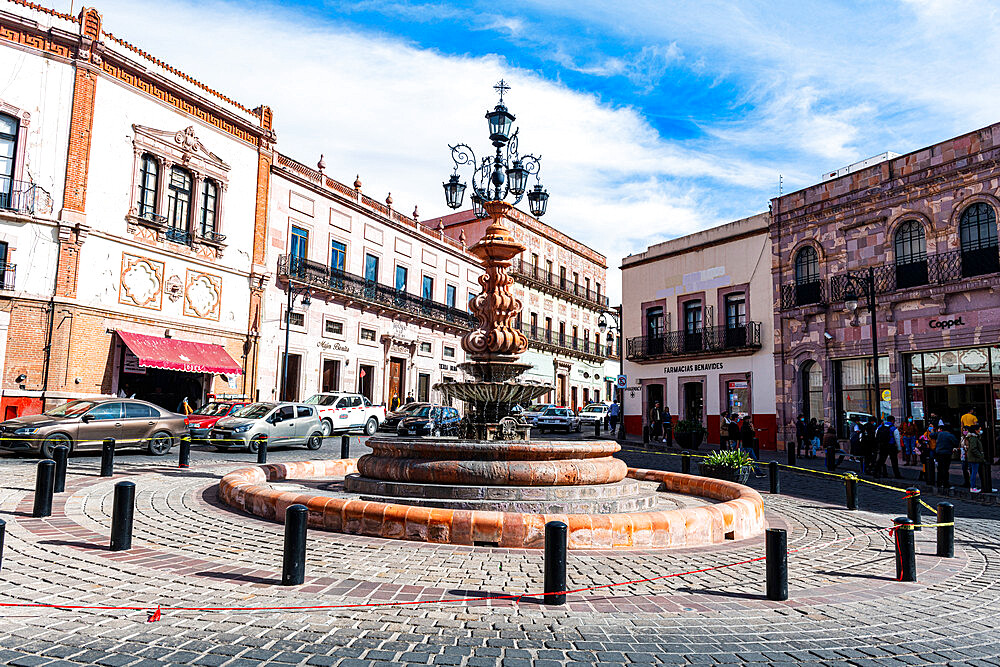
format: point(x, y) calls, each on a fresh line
point(887, 441)
point(746, 436)
point(946, 442)
point(800, 434)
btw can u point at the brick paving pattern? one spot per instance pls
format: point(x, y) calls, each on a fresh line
point(190, 551)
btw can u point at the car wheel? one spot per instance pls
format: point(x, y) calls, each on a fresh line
point(327, 428)
point(436, 432)
point(254, 444)
point(47, 450)
point(160, 443)
point(315, 441)
point(371, 426)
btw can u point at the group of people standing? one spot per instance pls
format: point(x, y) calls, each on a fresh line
point(737, 431)
point(661, 424)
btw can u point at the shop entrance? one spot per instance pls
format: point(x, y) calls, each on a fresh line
point(397, 380)
point(654, 395)
point(951, 402)
point(694, 401)
point(164, 388)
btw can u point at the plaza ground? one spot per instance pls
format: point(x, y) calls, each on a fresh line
point(845, 606)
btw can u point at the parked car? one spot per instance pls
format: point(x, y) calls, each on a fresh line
point(342, 412)
point(561, 419)
point(430, 420)
point(595, 412)
point(281, 423)
point(201, 421)
point(83, 424)
point(392, 419)
point(533, 412)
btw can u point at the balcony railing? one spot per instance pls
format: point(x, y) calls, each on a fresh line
point(213, 236)
point(23, 197)
point(324, 278)
point(569, 343)
point(701, 341)
point(542, 277)
point(803, 294)
point(178, 235)
point(6, 276)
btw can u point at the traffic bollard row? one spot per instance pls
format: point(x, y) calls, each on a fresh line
point(913, 506)
point(776, 560)
point(685, 463)
point(108, 457)
point(61, 456)
point(261, 449)
point(772, 473)
point(946, 534)
point(906, 556)
point(45, 479)
point(293, 566)
point(555, 562)
point(184, 458)
point(851, 484)
point(345, 446)
point(122, 515)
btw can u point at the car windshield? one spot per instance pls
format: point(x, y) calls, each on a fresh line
point(422, 411)
point(593, 408)
point(322, 399)
point(555, 412)
point(411, 408)
point(255, 410)
point(71, 409)
point(541, 407)
point(212, 409)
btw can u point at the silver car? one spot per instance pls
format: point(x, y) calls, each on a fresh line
point(280, 423)
point(558, 419)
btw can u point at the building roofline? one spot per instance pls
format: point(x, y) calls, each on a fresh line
point(737, 230)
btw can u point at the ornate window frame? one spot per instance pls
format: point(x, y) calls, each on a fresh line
point(182, 149)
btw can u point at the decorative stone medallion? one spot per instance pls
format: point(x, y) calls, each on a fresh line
point(141, 282)
point(202, 295)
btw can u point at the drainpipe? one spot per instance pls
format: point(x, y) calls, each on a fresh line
point(48, 348)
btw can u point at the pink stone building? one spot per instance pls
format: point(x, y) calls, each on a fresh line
point(926, 223)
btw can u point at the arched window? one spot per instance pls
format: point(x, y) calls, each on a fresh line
point(911, 255)
point(179, 205)
point(807, 284)
point(149, 177)
point(812, 390)
point(209, 199)
point(978, 232)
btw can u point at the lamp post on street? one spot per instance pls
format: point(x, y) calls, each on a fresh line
point(602, 325)
point(863, 285)
point(292, 292)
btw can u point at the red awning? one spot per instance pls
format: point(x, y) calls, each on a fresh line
point(180, 355)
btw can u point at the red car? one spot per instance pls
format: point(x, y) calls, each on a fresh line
point(201, 421)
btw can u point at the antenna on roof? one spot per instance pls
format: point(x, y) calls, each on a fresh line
point(781, 184)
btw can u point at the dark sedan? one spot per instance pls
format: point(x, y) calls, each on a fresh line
point(83, 424)
point(430, 420)
point(392, 419)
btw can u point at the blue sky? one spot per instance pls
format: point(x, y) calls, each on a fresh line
point(654, 119)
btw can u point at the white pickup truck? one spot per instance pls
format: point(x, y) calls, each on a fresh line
point(341, 412)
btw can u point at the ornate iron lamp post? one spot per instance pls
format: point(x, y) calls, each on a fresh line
point(602, 325)
point(863, 285)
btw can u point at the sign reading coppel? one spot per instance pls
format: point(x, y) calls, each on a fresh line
point(946, 324)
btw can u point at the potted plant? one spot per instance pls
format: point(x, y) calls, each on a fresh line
point(689, 433)
point(730, 465)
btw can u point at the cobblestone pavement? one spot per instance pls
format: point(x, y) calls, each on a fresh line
point(845, 606)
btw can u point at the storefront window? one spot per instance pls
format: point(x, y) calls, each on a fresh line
point(854, 382)
point(738, 397)
point(812, 390)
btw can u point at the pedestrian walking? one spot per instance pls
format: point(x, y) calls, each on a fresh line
point(746, 436)
point(970, 419)
point(393, 402)
point(613, 416)
point(868, 446)
point(975, 455)
point(908, 435)
point(800, 434)
point(724, 430)
point(814, 431)
point(945, 444)
point(656, 422)
point(887, 441)
point(926, 445)
point(734, 430)
point(668, 426)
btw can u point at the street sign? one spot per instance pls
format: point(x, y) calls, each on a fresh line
point(621, 381)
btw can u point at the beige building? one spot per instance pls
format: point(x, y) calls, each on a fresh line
point(698, 323)
point(562, 287)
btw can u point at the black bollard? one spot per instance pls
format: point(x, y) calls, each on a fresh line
point(831, 459)
point(985, 478)
point(772, 470)
point(121, 516)
point(645, 435)
point(851, 484)
point(184, 458)
point(108, 457)
point(61, 455)
point(790, 451)
point(776, 551)
point(262, 449)
point(685, 463)
point(3, 531)
point(906, 556)
point(45, 478)
point(913, 506)
point(555, 562)
point(946, 534)
point(597, 428)
point(293, 568)
point(345, 446)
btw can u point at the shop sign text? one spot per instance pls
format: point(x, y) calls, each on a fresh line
point(946, 324)
point(693, 368)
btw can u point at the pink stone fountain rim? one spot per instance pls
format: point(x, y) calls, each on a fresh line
point(445, 449)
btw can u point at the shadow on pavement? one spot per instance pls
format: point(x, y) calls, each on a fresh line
point(77, 545)
point(727, 594)
point(270, 581)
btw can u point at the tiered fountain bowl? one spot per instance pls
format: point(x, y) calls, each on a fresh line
point(493, 486)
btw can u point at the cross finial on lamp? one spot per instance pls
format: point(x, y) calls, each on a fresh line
point(501, 88)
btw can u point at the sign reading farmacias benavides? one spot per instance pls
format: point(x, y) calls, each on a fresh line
point(693, 368)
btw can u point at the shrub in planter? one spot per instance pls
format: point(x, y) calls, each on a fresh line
point(729, 465)
point(689, 433)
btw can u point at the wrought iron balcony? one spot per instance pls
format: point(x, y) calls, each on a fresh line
point(178, 235)
point(797, 294)
point(151, 219)
point(213, 236)
point(6, 276)
point(538, 277)
point(547, 338)
point(23, 197)
point(322, 278)
point(708, 340)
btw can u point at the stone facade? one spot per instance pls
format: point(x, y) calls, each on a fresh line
point(924, 224)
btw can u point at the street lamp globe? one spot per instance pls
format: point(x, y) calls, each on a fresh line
point(851, 301)
point(477, 207)
point(306, 301)
point(499, 121)
point(538, 201)
point(454, 192)
point(602, 324)
point(518, 176)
